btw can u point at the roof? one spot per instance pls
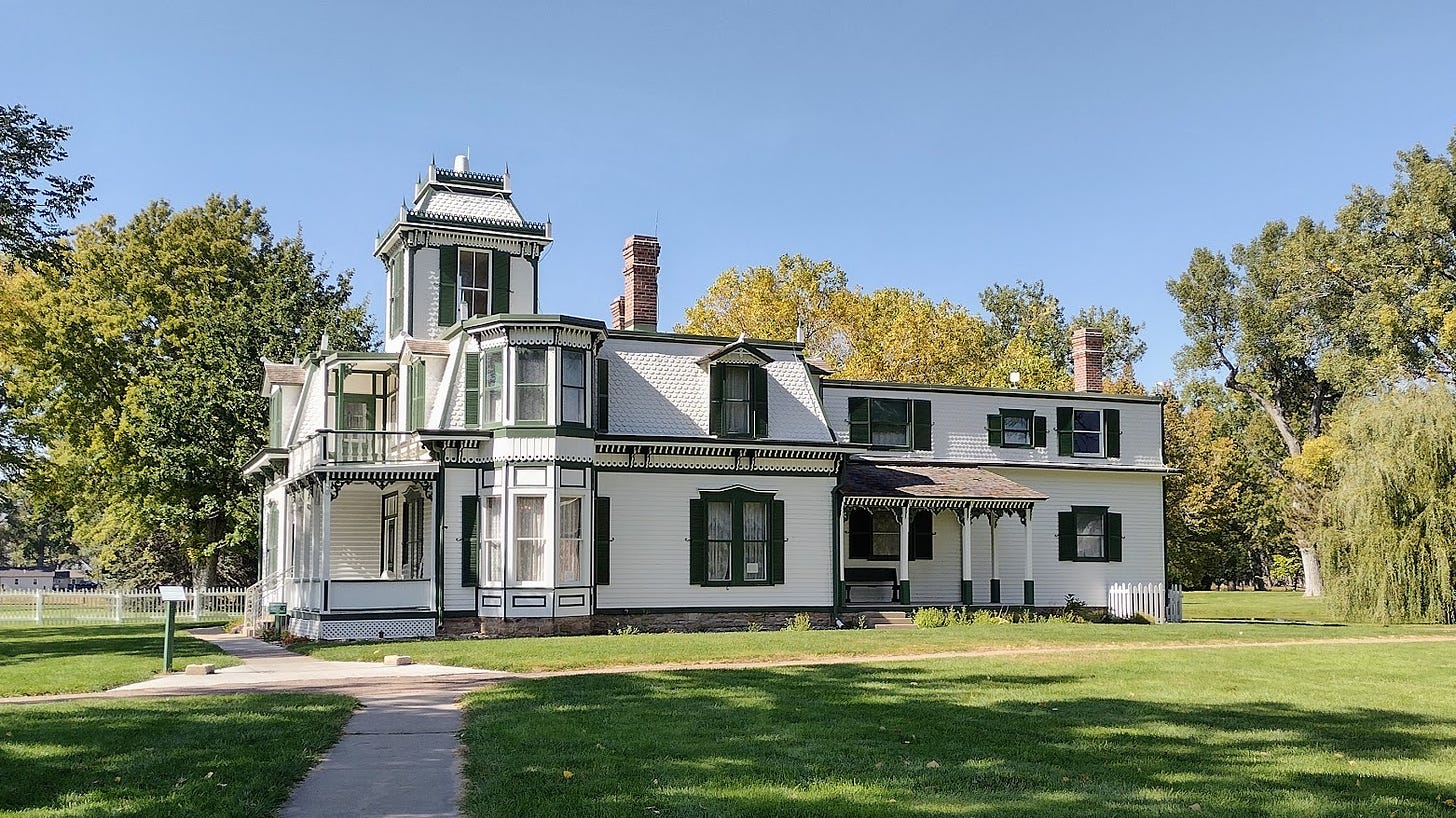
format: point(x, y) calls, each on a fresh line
point(425, 346)
point(908, 481)
point(282, 373)
point(495, 207)
point(742, 347)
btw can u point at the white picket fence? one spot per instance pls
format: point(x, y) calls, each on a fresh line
point(62, 607)
point(1125, 601)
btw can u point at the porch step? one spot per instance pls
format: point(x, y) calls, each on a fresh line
point(885, 620)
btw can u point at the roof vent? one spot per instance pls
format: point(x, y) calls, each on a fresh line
point(462, 163)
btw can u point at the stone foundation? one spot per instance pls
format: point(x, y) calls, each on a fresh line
point(486, 627)
point(698, 621)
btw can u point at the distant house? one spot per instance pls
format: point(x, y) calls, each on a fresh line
point(500, 470)
point(34, 579)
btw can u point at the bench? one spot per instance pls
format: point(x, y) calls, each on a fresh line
point(871, 577)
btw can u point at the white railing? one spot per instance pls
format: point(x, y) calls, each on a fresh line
point(1126, 601)
point(60, 607)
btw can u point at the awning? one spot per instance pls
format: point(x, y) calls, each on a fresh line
point(931, 486)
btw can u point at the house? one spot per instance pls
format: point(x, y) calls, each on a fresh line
point(500, 470)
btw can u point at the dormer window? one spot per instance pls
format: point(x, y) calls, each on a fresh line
point(737, 400)
point(737, 391)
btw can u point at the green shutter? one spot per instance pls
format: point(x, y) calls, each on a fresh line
point(1113, 526)
point(469, 541)
point(602, 383)
point(920, 413)
point(1064, 431)
point(1038, 431)
point(697, 542)
point(416, 411)
point(993, 431)
point(776, 543)
point(396, 295)
point(602, 531)
point(1112, 432)
point(859, 420)
point(715, 401)
point(1066, 535)
point(272, 526)
point(760, 401)
point(500, 281)
point(472, 389)
point(449, 282)
point(275, 419)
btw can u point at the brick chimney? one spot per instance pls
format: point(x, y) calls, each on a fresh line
point(1087, 359)
point(618, 306)
point(639, 299)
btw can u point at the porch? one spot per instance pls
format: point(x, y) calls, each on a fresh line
point(913, 535)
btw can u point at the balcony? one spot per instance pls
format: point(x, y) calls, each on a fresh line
point(332, 447)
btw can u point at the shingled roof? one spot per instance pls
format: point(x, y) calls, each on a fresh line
point(282, 373)
point(910, 482)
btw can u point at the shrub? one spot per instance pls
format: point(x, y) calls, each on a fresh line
point(799, 622)
point(985, 617)
point(931, 618)
point(624, 630)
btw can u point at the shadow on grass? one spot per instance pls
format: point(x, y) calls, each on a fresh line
point(212, 755)
point(861, 740)
point(30, 643)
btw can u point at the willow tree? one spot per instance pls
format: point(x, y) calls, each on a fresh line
point(1390, 546)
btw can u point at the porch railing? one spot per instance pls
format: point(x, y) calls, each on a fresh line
point(328, 447)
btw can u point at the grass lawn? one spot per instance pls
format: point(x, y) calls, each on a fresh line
point(578, 652)
point(83, 658)
point(1292, 605)
point(201, 755)
point(1313, 730)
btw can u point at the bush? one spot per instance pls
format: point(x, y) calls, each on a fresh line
point(624, 630)
point(931, 618)
point(799, 622)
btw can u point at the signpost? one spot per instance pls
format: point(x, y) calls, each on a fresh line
point(171, 594)
point(279, 612)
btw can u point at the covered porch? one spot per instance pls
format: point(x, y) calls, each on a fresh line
point(913, 535)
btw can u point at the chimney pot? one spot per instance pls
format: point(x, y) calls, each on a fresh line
point(639, 299)
point(1087, 359)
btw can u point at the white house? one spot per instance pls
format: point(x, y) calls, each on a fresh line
point(500, 470)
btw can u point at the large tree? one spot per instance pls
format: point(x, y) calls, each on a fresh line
point(33, 202)
point(138, 360)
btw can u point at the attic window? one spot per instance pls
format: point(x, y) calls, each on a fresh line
point(738, 400)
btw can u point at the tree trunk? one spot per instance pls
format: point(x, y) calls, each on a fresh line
point(1313, 583)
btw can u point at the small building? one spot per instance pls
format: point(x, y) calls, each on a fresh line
point(500, 470)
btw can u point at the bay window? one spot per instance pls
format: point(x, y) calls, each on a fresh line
point(530, 384)
point(568, 541)
point(573, 386)
point(530, 541)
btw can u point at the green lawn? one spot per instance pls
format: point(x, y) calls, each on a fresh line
point(203, 755)
point(1292, 605)
point(1313, 730)
point(577, 652)
point(83, 658)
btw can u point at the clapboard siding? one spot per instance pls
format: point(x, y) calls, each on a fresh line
point(958, 430)
point(649, 549)
point(354, 524)
point(459, 483)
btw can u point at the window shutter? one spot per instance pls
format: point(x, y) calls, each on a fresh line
point(760, 401)
point(1064, 431)
point(469, 541)
point(920, 412)
point(1066, 535)
point(697, 542)
point(861, 534)
point(1112, 432)
point(859, 420)
point(272, 526)
point(602, 382)
point(472, 389)
point(449, 280)
point(993, 431)
point(603, 533)
point(396, 295)
point(275, 419)
point(715, 401)
point(416, 395)
point(500, 281)
point(776, 543)
point(1038, 432)
point(922, 536)
point(1113, 527)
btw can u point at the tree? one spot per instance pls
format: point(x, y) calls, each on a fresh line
point(775, 302)
point(1026, 311)
point(1390, 540)
point(138, 361)
point(33, 202)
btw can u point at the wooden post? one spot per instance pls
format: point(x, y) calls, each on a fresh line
point(967, 577)
point(905, 555)
point(1029, 587)
point(995, 566)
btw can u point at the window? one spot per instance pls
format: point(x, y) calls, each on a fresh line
point(495, 569)
point(736, 538)
point(495, 386)
point(530, 384)
point(530, 551)
point(474, 283)
point(568, 542)
point(890, 423)
point(1089, 534)
point(1089, 432)
point(412, 548)
point(573, 386)
point(737, 402)
point(1015, 429)
point(875, 535)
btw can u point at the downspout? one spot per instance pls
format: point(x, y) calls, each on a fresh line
point(440, 545)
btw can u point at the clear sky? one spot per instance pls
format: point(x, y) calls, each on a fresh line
point(935, 146)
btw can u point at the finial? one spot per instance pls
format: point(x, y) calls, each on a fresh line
point(324, 342)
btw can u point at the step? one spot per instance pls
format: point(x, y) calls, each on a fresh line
point(892, 626)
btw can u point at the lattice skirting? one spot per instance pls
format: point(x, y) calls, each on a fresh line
point(336, 629)
point(306, 628)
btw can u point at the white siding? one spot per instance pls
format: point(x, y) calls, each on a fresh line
point(459, 483)
point(958, 430)
point(354, 540)
point(938, 580)
point(523, 293)
point(425, 293)
point(649, 555)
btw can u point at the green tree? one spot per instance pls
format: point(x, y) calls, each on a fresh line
point(139, 362)
point(1026, 311)
point(33, 202)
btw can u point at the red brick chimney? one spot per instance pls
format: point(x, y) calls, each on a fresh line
point(639, 301)
point(619, 305)
point(1087, 359)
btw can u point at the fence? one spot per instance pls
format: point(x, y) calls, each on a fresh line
point(61, 607)
point(1126, 601)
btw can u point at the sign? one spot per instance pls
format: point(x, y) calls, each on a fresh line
point(277, 608)
point(173, 593)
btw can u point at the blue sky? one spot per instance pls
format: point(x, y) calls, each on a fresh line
point(936, 146)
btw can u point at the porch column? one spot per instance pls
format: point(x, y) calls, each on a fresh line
point(905, 555)
point(326, 538)
point(966, 577)
point(1029, 589)
point(842, 521)
point(995, 565)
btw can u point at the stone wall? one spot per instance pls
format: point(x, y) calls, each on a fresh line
point(689, 622)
